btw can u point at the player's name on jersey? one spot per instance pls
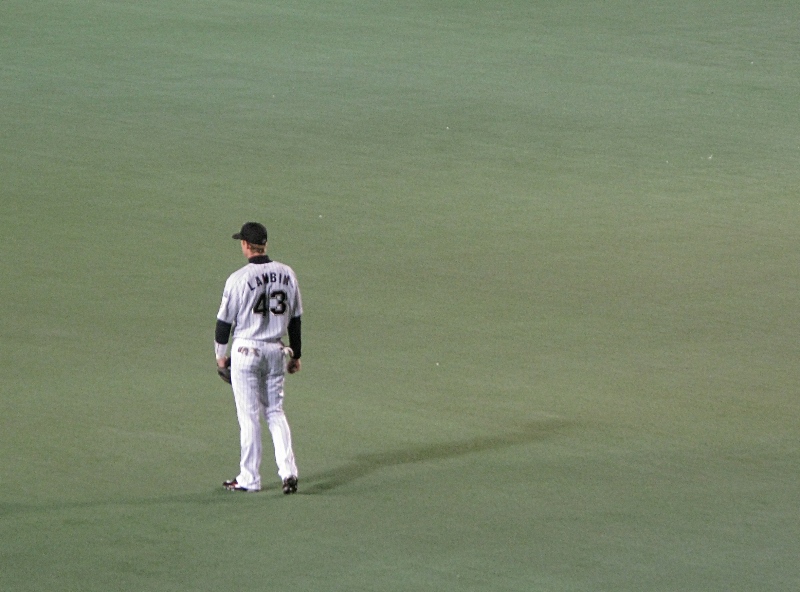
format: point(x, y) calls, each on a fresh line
point(271, 277)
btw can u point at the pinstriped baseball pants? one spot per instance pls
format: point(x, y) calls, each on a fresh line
point(257, 376)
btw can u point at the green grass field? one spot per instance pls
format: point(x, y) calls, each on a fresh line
point(551, 278)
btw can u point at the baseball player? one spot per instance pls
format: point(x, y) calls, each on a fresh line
point(261, 304)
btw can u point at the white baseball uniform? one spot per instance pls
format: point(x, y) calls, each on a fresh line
point(260, 301)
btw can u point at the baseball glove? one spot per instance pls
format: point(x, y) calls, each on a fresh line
point(225, 371)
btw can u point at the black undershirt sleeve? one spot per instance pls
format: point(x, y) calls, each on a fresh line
point(295, 341)
point(223, 332)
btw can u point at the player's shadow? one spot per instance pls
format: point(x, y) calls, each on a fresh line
point(365, 464)
point(325, 481)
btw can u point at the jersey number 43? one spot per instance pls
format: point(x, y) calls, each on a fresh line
point(263, 307)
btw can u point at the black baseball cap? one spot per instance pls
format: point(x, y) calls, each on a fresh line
point(252, 232)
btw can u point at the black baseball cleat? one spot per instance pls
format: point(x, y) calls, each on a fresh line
point(290, 485)
point(232, 485)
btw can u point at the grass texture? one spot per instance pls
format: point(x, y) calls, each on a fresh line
point(549, 259)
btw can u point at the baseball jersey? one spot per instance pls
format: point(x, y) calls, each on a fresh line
point(260, 300)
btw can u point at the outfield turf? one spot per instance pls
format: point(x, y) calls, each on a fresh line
point(550, 269)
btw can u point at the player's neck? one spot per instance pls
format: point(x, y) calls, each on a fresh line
point(250, 253)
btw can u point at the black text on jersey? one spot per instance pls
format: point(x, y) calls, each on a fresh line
point(270, 277)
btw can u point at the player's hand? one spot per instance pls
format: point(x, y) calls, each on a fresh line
point(293, 366)
point(224, 369)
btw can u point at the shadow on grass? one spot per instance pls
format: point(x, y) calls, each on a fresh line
point(365, 464)
point(326, 481)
